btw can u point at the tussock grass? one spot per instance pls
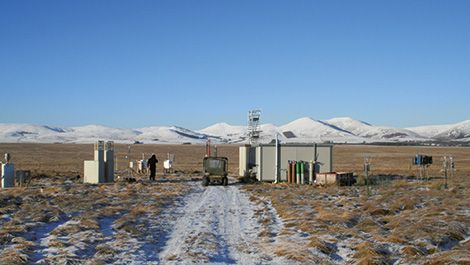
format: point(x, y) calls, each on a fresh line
point(138, 210)
point(291, 252)
point(31, 209)
point(104, 249)
point(404, 203)
point(400, 184)
point(13, 257)
point(67, 228)
point(380, 211)
point(450, 258)
point(13, 227)
point(369, 225)
point(111, 210)
point(5, 237)
point(421, 217)
point(265, 233)
point(323, 246)
point(367, 253)
point(456, 231)
point(335, 215)
point(412, 251)
point(172, 257)
point(366, 250)
point(17, 253)
point(89, 224)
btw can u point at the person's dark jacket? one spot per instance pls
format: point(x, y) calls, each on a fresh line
point(152, 163)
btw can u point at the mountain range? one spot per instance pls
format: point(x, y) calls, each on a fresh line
point(303, 130)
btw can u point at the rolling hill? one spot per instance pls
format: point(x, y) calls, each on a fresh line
point(303, 130)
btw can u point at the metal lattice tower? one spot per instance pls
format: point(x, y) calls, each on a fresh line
point(253, 125)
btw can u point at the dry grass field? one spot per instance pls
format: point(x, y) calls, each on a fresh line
point(397, 159)
point(395, 222)
point(398, 221)
point(75, 224)
point(401, 222)
point(67, 159)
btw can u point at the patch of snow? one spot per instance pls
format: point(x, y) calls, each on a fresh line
point(40, 236)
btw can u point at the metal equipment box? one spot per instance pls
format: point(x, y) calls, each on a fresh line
point(335, 178)
point(108, 162)
point(247, 159)
point(100, 170)
point(8, 175)
point(94, 172)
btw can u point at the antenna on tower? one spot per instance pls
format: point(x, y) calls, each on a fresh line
point(253, 126)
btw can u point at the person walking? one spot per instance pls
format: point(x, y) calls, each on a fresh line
point(152, 164)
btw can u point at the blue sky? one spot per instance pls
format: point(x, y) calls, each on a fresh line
point(195, 63)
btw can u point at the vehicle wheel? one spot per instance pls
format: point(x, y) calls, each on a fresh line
point(225, 181)
point(205, 181)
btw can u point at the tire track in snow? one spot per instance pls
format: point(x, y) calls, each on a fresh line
point(217, 226)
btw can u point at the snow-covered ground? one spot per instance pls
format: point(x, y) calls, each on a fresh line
point(177, 221)
point(303, 130)
point(217, 226)
point(208, 225)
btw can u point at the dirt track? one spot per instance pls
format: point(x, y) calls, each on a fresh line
point(217, 225)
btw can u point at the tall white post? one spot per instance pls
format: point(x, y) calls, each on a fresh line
point(311, 170)
point(276, 163)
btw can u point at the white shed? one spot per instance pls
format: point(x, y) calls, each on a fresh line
point(262, 158)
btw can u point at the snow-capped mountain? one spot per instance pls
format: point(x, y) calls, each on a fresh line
point(431, 130)
point(379, 133)
point(170, 134)
point(306, 129)
point(224, 130)
point(12, 133)
point(28, 133)
point(303, 130)
point(89, 133)
point(459, 131)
